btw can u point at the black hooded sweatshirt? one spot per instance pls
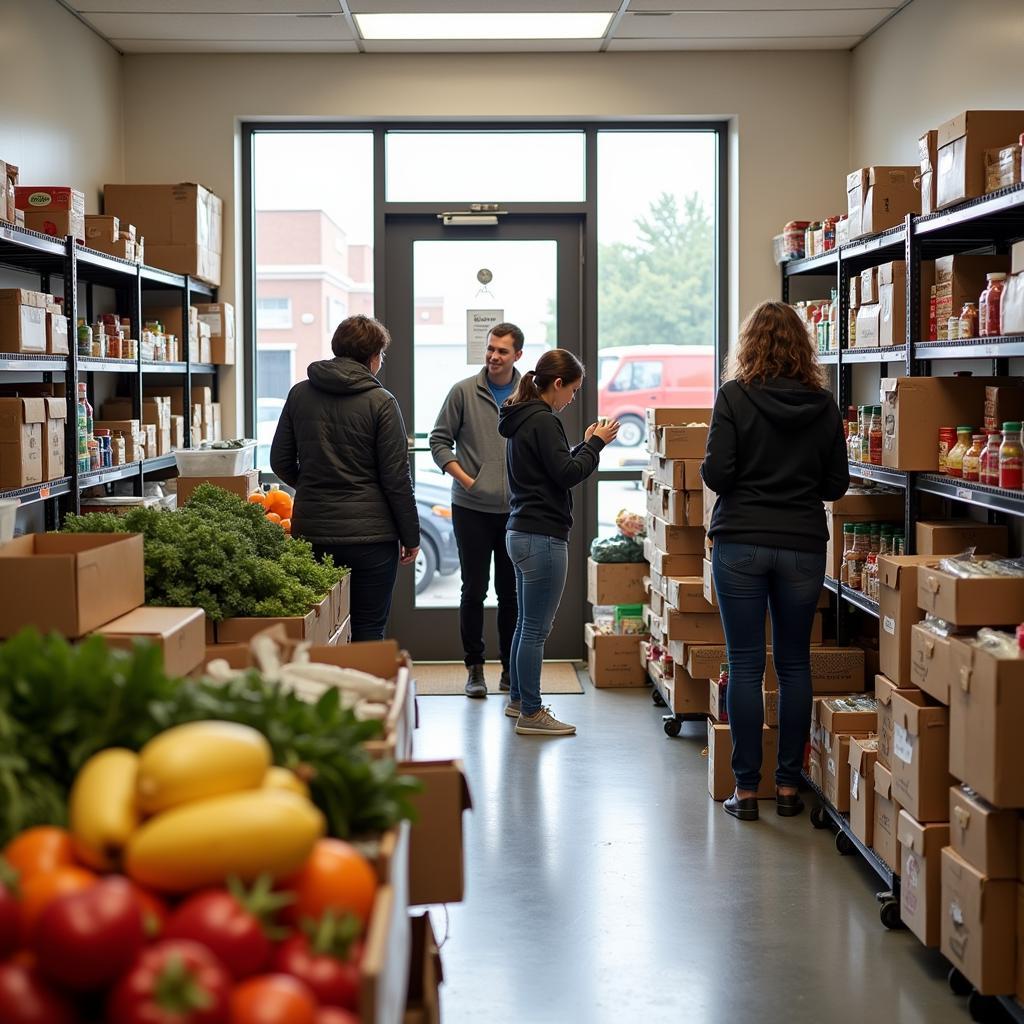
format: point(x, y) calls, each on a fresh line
point(341, 443)
point(775, 452)
point(542, 469)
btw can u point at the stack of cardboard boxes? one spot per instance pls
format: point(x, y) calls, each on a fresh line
point(613, 659)
point(57, 210)
point(111, 235)
point(878, 304)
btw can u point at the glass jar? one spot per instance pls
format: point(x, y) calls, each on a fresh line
point(972, 459)
point(955, 458)
point(855, 437)
point(885, 540)
point(858, 556)
point(899, 543)
point(991, 298)
point(947, 439)
point(989, 470)
point(969, 321)
point(94, 454)
point(1011, 458)
point(865, 435)
point(875, 436)
point(848, 545)
point(870, 581)
point(84, 338)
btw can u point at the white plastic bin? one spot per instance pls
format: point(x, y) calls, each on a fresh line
point(215, 461)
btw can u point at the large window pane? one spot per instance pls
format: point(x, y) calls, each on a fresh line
point(656, 277)
point(314, 255)
point(485, 167)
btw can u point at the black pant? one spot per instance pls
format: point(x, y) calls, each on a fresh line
point(480, 535)
point(374, 568)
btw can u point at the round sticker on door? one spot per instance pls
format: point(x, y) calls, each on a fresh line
point(484, 276)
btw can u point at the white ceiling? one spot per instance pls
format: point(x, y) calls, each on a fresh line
point(304, 26)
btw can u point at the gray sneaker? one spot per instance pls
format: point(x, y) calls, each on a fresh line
point(505, 683)
point(476, 685)
point(543, 723)
point(512, 708)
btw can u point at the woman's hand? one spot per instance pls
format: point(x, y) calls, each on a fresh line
point(607, 430)
point(408, 555)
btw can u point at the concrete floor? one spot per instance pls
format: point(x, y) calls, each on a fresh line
point(605, 887)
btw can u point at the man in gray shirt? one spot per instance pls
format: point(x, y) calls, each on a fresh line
point(465, 443)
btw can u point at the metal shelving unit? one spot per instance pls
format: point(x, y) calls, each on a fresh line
point(994, 499)
point(877, 474)
point(858, 600)
point(82, 269)
point(897, 354)
point(1011, 347)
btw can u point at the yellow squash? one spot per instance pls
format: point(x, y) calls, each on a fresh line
point(284, 778)
point(200, 760)
point(102, 813)
point(246, 834)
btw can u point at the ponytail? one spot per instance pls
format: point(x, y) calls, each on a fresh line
point(555, 364)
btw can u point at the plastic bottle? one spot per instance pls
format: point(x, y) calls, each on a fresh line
point(899, 543)
point(870, 581)
point(947, 440)
point(849, 539)
point(991, 302)
point(972, 459)
point(94, 454)
point(885, 540)
point(84, 338)
point(858, 556)
point(989, 469)
point(875, 436)
point(865, 434)
point(84, 417)
point(955, 458)
point(969, 321)
point(1011, 458)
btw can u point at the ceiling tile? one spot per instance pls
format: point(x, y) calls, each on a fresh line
point(222, 27)
point(883, 7)
point(207, 6)
point(228, 46)
point(739, 43)
point(733, 24)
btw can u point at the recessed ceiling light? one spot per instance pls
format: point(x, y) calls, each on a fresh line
point(543, 25)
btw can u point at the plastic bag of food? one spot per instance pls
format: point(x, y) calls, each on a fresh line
point(616, 549)
point(631, 524)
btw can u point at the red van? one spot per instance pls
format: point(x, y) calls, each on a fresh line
point(633, 377)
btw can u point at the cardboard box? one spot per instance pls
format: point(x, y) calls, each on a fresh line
point(676, 508)
point(613, 661)
point(172, 320)
point(986, 707)
point(615, 582)
point(177, 432)
point(684, 593)
point(835, 760)
point(425, 974)
point(54, 437)
point(981, 601)
point(22, 428)
point(671, 433)
point(887, 814)
point(721, 781)
point(955, 536)
point(8, 185)
point(57, 334)
point(863, 754)
point(436, 873)
point(672, 565)
point(898, 612)
point(69, 584)
point(708, 589)
point(676, 540)
point(850, 715)
point(182, 225)
point(683, 695)
point(920, 759)
point(869, 326)
point(930, 667)
point(879, 198)
point(982, 835)
point(52, 210)
point(921, 876)
point(834, 670)
point(22, 324)
point(243, 485)
point(315, 626)
point(928, 149)
point(770, 701)
point(694, 627)
point(220, 317)
point(979, 925)
point(892, 304)
point(913, 410)
point(677, 474)
point(702, 661)
point(962, 142)
point(101, 228)
point(180, 633)
point(960, 279)
point(1002, 167)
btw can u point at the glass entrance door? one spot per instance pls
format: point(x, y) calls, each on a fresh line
point(445, 284)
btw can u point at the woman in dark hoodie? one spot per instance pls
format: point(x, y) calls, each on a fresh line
point(776, 451)
point(541, 471)
point(341, 443)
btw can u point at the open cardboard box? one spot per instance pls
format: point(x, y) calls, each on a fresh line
point(180, 633)
point(669, 436)
point(425, 974)
point(317, 626)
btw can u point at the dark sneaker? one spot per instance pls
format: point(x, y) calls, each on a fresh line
point(745, 809)
point(476, 685)
point(505, 683)
point(512, 708)
point(543, 723)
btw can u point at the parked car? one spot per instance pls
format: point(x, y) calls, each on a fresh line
point(439, 554)
point(633, 377)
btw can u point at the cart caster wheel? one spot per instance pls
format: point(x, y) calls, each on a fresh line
point(673, 727)
point(984, 1009)
point(890, 914)
point(818, 817)
point(958, 984)
point(844, 844)
point(657, 699)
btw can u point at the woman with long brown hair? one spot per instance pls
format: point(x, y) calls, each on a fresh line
point(776, 451)
point(542, 470)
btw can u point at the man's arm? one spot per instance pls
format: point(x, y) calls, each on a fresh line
point(444, 436)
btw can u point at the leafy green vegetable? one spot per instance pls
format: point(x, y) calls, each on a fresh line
point(221, 554)
point(60, 704)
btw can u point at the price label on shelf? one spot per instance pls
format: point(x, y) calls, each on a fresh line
point(964, 494)
point(44, 492)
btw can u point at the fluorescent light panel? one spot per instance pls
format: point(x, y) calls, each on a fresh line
point(521, 25)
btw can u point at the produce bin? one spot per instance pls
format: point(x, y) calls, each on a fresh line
point(215, 461)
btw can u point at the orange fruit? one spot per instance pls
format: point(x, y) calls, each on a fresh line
point(280, 502)
point(337, 877)
point(38, 891)
point(286, 525)
point(273, 517)
point(258, 498)
point(41, 848)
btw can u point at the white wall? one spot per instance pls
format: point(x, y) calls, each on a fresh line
point(931, 61)
point(60, 116)
point(182, 114)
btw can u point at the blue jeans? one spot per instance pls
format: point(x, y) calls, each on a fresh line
point(751, 580)
point(541, 565)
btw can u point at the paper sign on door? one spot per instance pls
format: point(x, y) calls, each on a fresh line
point(479, 323)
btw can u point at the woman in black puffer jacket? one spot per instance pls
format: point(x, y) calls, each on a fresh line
point(341, 443)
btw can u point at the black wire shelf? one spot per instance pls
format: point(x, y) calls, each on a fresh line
point(98, 477)
point(859, 600)
point(877, 474)
point(993, 498)
point(822, 263)
point(39, 492)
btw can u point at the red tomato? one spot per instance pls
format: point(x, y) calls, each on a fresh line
point(230, 924)
point(10, 921)
point(25, 999)
point(272, 999)
point(41, 848)
point(173, 982)
point(335, 1015)
point(38, 891)
point(337, 878)
point(89, 939)
point(333, 979)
